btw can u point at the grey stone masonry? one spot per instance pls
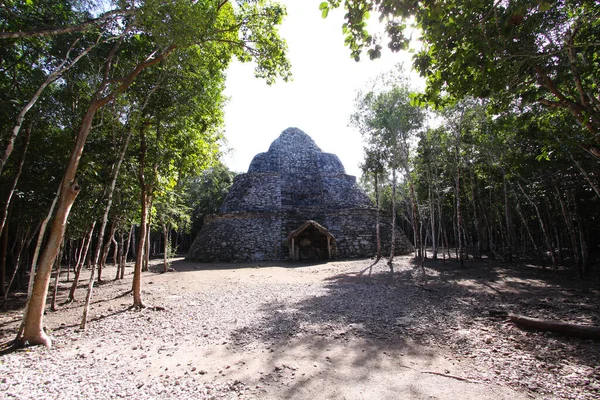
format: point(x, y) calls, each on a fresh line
point(293, 182)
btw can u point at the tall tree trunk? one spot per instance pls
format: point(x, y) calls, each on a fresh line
point(377, 218)
point(118, 255)
point(22, 245)
point(116, 252)
point(83, 255)
point(477, 215)
point(166, 247)
point(568, 218)
point(105, 251)
point(130, 240)
point(583, 247)
point(147, 248)
point(144, 189)
point(109, 198)
point(34, 318)
point(434, 244)
point(57, 277)
point(459, 236)
point(4, 234)
point(509, 236)
point(529, 234)
point(416, 220)
point(393, 243)
point(139, 260)
point(542, 226)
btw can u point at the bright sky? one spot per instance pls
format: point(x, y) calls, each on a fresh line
point(319, 100)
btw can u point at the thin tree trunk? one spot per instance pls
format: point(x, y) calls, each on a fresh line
point(22, 245)
point(583, 248)
point(83, 255)
point(106, 251)
point(146, 260)
point(137, 271)
point(509, 236)
point(116, 252)
point(136, 287)
point(393, 243)
point(460, 253)
point(586, 176)
point(126, 252)
point(434, 244)
point(477, 215)
point(119, 255)
point(88, 297)
point(3, 260)
point(166, 247)
point(57, 277)
point(570, 228)
point(533, 243)
point(377, 218)
point(542, 226)
point(109, 200)
point(70, 256)
point(418, 226)
point(34, 318)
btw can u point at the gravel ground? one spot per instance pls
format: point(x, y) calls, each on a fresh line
point(266, 331)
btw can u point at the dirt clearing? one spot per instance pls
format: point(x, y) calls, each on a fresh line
point(291, 331)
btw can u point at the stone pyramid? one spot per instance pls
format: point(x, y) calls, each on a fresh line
point(296, 202)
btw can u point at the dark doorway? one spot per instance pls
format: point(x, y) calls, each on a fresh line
point(310, 242)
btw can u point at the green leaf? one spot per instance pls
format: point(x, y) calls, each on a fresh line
point(544, 6)
point(324, 6)
point(324, 13)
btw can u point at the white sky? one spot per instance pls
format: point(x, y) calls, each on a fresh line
point(320, 98)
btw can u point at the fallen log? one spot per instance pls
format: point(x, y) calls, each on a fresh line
point(562, 328)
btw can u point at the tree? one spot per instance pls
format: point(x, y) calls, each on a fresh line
point(155, 32)
point(517, 52)
point(373, 166)
point(206, 193)
point(389, 121)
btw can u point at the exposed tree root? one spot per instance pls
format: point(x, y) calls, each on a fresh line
point(370, 267)
point(560, 327)
point(460, 378)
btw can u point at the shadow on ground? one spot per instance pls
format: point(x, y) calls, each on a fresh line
point(447, 305)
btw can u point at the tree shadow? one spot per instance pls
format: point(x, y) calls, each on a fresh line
point(439, 306)
point(94, 319)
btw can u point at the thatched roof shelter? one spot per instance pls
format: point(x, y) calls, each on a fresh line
point(297, 233)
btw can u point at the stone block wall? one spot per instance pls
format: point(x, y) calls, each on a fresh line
point(238, 237)
point(254, 192)
point(356, 235)
point(341, 191)
point(330, 164)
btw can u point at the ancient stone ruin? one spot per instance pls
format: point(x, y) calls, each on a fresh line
point(294, 203)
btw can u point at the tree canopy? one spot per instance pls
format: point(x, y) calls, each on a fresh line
point(515, 53)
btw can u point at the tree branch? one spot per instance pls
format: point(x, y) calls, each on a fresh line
point(66, 29)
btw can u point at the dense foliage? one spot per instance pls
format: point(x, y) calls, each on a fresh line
point(118, 104)
point(509, 164)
